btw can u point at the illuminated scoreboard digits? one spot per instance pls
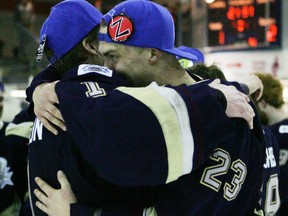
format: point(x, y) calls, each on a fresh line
point(243, 24)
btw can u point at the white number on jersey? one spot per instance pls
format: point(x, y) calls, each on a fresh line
point(209, 175)
point(272, 202)
point(283, 157)
point(94, 90)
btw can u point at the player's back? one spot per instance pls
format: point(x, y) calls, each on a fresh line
point(270, 200)
point(49, 153)
point(280, 131)
point(227, 184)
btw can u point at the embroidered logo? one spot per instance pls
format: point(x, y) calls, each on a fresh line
point(40, 50)
point(90, 68)
point(120, 28)
point(283, 129)
point(5, 175)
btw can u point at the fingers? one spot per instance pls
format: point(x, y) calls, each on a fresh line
point(244, 110)
point(40, 196)
point(48, 125)
point(51, 118)
point(237, 104)
point(63, 179)
point(249, 115)
point(47, 189)
point(45, 100)
point(50, 121)
point(42, 207)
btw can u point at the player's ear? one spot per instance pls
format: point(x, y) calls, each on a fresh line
point(90, 46)
point(155, 55)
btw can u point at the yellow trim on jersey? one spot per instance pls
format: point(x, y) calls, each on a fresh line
point(13, 209)
point(258, 212)
point(150, 212)
point(22, 129)
point(179, 106)
point(168, 120)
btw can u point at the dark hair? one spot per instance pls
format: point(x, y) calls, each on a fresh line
point(75, 56)
point(207, 72)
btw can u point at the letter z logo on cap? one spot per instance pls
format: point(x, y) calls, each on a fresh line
point(120, 28)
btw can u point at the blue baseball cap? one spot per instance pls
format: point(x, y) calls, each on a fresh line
point(185, 62)
point(67, 25)
point(193, 51)
point(142, 23)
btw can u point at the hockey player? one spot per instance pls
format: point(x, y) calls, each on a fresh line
point(93, 86)
point(273, 113)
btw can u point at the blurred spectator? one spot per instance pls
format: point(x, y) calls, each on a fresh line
point(13, 153)
point(24, 17)
point(1, 48)
point(24, 13)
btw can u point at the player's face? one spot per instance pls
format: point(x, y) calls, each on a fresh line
point(128, 61)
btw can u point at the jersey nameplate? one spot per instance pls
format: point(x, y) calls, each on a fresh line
point(91, 68)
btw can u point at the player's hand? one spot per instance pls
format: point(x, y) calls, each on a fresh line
point(255, 86)
point(55, 202)
point(45, 100)
point(237, 102)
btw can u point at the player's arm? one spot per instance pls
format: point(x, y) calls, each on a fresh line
point(63, 201)
point(46, 107)
point(43, 100)
point(254, 85)
point(45, 76)
point(152, 135)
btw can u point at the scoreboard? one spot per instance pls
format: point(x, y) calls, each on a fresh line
point(243, 24)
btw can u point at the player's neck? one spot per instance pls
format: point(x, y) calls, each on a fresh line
point(277, 115)
point(178, 77)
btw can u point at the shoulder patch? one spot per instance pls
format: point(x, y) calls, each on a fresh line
point(5, 174)
point(283, 129)
point(91, 68)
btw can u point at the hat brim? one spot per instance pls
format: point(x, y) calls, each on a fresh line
point(182, 54)
point(193, 51)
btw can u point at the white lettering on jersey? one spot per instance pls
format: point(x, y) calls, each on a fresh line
point(270, 159)
point(5, 175)
point(283, 157)
point(283, 129)
point(90, 68)
point(37, 131)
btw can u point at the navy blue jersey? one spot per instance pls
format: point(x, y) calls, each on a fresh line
point(270, 200)
point(120, 137)
point(13, 164)
point(7, 190)
point(227, 184)
point(280, 131)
